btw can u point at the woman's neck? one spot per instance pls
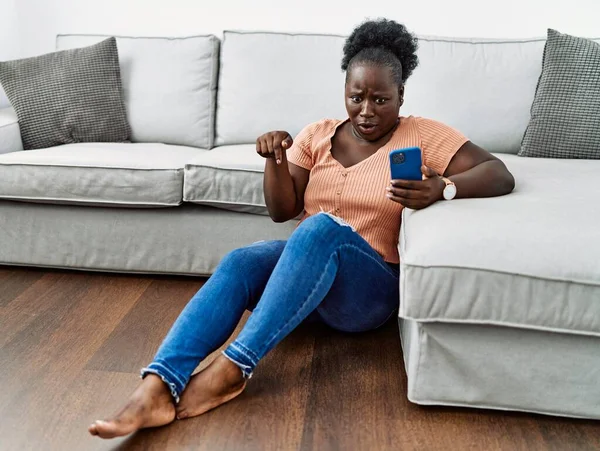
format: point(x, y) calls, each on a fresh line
point(379, 142)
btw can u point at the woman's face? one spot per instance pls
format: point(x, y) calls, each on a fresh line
point(373, 100)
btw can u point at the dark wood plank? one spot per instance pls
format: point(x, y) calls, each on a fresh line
point(134, 342)
point(5, 272)
point(347, 371)
point(41, 362)
point(30, 304)
point(12, 283)
point(491, 429)
point(358, 399)
point(560, 434)
point(92, 395)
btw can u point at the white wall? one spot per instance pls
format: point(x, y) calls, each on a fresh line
point(9, 42)
point(9, 37)
point(41, 20)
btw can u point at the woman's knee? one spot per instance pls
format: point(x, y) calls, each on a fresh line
point(321, 223)
point(248, 269)
point(252, 257)
point(235, 258)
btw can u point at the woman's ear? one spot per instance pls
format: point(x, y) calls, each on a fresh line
point(401, 94)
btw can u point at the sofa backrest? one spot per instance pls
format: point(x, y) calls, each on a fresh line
point(284, 81)
point(277, 81)
point(169, 86)
point(484, 88)
point(271, 81)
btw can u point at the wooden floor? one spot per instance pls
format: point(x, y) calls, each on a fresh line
point(71, 346)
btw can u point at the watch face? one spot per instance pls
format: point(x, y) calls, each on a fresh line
point(449, 192)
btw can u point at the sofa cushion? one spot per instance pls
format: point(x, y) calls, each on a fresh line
point(565, 115)
point(66, 97)
point(299, 77)
point(228, 177)
point(169, 86)
point(139, 175)
point(482, 87)
point(528, 259)
point(10, 135)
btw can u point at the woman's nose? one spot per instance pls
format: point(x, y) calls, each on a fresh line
point(366, 110)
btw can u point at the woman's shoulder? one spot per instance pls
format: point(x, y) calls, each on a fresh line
point(427, 125)
point(314, 133)
point(438, 141)
point(324, 126)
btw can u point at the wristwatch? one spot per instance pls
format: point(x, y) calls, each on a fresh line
point(450, 189)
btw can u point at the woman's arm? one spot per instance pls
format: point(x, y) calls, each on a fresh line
point(284, 183)
point(474, 171)
point(477, 173)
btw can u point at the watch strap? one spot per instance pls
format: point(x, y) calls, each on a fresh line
point(447, 181)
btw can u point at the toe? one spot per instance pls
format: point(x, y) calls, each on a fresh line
point(182, 413)
point(92, 429)
point(110, 429)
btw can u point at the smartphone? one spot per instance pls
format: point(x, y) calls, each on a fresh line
point(406, 164)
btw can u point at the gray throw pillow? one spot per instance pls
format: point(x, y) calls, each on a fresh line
point(565, 114)
point(67, 97)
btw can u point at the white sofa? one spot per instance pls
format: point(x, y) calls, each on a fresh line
point(500, 298)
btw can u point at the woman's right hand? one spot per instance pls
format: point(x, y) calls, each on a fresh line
point(273, 145)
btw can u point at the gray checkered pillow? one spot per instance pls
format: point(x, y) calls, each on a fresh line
point(565, 114)
point(68, 97)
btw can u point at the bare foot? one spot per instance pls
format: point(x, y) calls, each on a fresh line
point(220, 382)
point(150, 405)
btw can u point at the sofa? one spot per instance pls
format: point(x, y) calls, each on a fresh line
point(499, 298)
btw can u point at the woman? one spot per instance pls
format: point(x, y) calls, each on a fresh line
point(341, 264)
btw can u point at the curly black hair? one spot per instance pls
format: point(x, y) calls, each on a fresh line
point(384, 42)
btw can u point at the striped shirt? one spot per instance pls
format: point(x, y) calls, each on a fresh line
point(357, 194)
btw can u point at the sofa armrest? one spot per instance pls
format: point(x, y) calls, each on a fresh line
point(10, 134)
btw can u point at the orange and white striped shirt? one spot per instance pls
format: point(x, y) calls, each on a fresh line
point(357, 194)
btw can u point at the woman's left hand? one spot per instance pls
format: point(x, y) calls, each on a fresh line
point(417, 194)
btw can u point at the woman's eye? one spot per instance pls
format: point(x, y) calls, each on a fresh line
point(380, 101)
point(355, 99)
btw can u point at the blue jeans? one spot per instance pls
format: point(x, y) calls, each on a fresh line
point(325, 269)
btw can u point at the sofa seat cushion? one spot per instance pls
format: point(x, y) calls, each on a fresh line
point(530, 259)
point(228, 177)
point(137, 175)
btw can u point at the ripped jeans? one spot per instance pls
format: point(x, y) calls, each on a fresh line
point(325, 270)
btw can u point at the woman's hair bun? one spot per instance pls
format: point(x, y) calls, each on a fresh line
point(386, 35)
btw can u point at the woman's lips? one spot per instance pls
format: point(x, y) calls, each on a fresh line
point(367, 128)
